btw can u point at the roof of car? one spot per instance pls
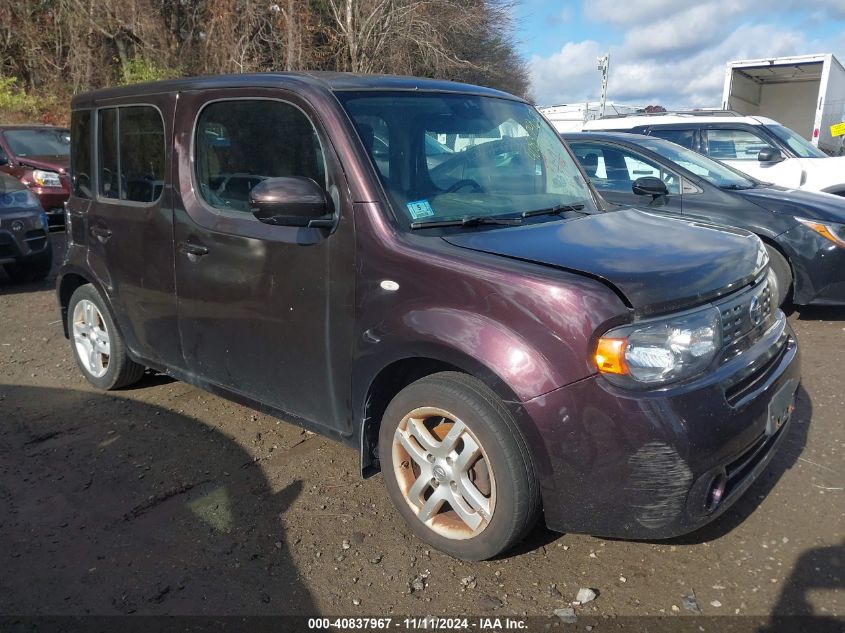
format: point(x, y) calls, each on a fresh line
point(690, 119)
point(609, 136)
point(331, 81)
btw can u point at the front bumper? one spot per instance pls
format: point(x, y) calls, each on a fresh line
point(641, 465)
point(52, 200)
point(22, 238)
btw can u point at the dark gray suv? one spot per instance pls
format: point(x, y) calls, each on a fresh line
point(25, 250)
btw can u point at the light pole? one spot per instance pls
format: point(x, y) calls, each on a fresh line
point(604, 67)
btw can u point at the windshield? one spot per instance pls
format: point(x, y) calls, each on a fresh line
point(39, 142)
point(798, 144)
point(713, 172)
point(445, 156)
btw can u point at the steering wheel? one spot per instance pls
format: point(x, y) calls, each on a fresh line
point(466, 182)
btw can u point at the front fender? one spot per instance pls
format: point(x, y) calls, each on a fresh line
point(473, 342)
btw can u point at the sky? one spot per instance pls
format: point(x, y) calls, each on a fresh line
point(667, 52)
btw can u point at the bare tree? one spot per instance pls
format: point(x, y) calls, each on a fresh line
point(59, 47)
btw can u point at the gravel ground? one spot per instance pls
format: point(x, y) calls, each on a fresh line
point(163, 499)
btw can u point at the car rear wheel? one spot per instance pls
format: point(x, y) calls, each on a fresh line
point(457, 468)
point(98, 347)
point(783, 274)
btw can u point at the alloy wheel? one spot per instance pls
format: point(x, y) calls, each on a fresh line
point(444, 473)
point(91, 338)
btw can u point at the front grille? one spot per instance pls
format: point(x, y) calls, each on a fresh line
point(745, 318)
point(748, 385)
point(739, 469)
point(36, 240)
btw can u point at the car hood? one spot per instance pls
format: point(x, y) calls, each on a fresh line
point(797, 202)
point(658, 263)
point(823, 173)
point(52, 163)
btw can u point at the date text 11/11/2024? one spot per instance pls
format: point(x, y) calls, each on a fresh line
point(485, 624)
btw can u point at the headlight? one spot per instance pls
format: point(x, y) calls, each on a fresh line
point(831, 231)
point(46, 178)
point(20, 199)
point(660, 351)
point(774, 291)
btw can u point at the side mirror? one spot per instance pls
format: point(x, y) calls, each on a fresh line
point(649, 186)
point(769, 155)
point(291, 201)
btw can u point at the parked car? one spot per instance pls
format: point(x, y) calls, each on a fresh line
point(38, 156)
point(804, 232)
point(25, 250)
point(755, 145)
point(481, 331)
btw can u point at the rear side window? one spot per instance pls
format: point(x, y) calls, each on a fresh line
point(734, 144)
point(613, 168)
point(243, 142)
point(684, 138)
point(131, 153)
point(80, 153)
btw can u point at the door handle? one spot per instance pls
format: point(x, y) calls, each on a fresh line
point(193, 251)
point(101, 234)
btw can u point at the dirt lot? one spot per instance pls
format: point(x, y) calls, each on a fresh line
point(163, 499)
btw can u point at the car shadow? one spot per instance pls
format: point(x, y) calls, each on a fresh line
point(9, 287)
point(818, 569)
point(820, 313)
point(116, 507)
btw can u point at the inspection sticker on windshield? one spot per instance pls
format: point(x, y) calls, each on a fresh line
point(420, 209)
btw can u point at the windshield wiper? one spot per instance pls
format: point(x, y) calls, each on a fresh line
point(736, 187)
point(559, 208)
point(470, 220)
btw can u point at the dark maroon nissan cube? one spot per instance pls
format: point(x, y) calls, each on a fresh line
point(420, 270)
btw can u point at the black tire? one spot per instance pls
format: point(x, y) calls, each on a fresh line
point(517, 498)
point(121, 371)
point(783, 273)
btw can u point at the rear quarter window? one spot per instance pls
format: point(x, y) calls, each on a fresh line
point(80, 153)
point(684, 138)
point(131, 154)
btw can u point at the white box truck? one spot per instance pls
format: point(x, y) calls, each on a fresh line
point(805, 93)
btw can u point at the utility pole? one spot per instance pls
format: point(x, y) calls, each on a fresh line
point(604, 67)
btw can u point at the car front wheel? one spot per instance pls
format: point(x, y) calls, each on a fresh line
point(457, 468)
point(783, 274)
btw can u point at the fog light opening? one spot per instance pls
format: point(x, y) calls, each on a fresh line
point(716, 493)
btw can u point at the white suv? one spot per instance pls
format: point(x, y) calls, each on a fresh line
point(758, 146)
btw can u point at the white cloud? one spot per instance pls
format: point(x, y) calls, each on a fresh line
point(684, 31)
point(672, 56)
point(617, 12)
point(569, 75)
